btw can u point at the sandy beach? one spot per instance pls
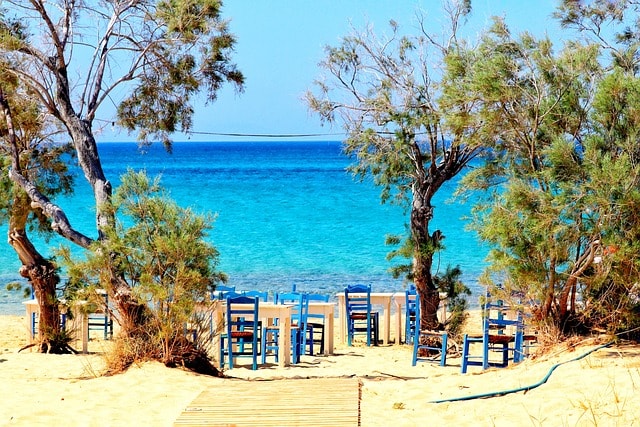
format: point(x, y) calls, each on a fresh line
point(601, 389)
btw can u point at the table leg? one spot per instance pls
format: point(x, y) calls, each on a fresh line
point(386, 333)
point(328, 332)
point(399, 328)
point(31, 311)
point(342, 318)
point(284, 347)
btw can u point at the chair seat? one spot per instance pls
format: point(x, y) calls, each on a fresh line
point(361, 316)
point(501, 339)
point(241, 334)
point(494, 339)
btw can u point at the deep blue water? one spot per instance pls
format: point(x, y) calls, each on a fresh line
point(287, 212)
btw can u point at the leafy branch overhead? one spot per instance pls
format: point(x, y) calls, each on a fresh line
point(77, 60)
point(406, 128)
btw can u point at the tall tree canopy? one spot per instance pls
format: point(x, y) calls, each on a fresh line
point(149, 58)
point(27, 146)
point(407, 127)
point(563, 224)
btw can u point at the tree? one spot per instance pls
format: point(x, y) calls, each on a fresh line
point(406, 128)
point(153, 56)
point(161, 250)
point(27, 148)
point(535, 104)
point(564, 167)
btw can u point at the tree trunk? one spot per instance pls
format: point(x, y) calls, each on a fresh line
point(41, 273)
point(43, 277)
point(130, 313)
point(424, 247)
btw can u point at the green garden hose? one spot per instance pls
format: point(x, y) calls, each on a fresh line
point(525, 388)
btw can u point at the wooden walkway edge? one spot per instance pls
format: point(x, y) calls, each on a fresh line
point(287, 402)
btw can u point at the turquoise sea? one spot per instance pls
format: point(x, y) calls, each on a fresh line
point(287, 213)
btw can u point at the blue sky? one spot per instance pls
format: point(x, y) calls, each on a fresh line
point(281, 42)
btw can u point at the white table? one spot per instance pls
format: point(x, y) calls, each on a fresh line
point(377, 298)
point(32, 308)
point(327, 309)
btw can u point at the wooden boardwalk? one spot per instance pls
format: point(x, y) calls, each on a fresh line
point(287, 402)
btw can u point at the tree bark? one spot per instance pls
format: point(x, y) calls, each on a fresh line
point(130, 312)
point(424, 246)
point(40, 272)
point(43, 277)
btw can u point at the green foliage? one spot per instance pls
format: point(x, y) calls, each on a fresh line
point(562, 219)
point(193, 55)
point(409, 129)
point(160, 249)
point(43, 162)
point(449, 284)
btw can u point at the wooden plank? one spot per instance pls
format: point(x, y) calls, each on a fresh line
point(288, 402)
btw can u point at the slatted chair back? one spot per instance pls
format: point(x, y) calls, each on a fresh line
point(315, 323)
point(262, 295)
point(221, 291)
point(360, 317)
point(242, 330)
point(410, 314)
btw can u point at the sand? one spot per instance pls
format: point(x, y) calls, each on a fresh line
point(601, 389)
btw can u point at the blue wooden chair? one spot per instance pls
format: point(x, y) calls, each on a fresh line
point(315, 323)
point(428, 345)
point(496, 337)
point(299, 312)
point(360, 317)
point(410, 314)
point(242, 331)
point(262, 296)
point(101, 319)
point(221, 291)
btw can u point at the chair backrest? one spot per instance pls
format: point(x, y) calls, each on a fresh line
point(494, 317)
point(241, 318)
point(263, 296)
point(357, 298)
point(221, 291)
point(411, 299)
point(300, 309)
point(316, 298)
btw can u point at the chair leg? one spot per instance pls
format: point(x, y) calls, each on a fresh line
point(443, 351)
point(310, 339)
point(254, 357)
point(465, 353)
point(485, 353)
point(414, 358)
point(376, 324)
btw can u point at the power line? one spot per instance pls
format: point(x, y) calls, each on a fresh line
point(267, 135)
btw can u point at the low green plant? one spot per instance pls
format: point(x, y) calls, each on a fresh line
point(161, 251)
